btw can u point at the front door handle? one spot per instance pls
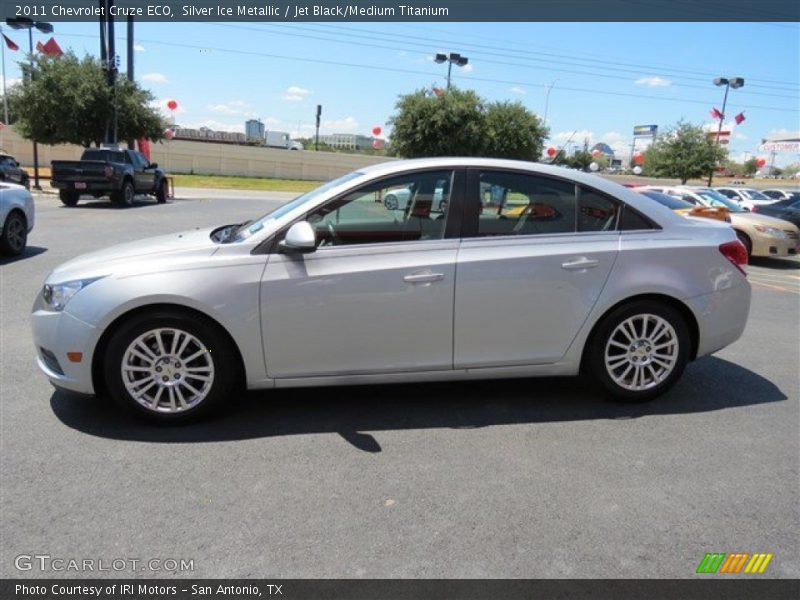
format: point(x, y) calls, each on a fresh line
point(424, 277)
point(580, 264)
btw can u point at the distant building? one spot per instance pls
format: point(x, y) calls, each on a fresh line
point(348, 141)
point(254, 129)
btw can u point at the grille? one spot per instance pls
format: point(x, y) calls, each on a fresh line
point(792, 235)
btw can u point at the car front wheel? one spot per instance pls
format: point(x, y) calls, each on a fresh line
point(170, 367)
point(640, 350)
point(14, 235)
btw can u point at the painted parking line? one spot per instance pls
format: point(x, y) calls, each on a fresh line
point(772, 286)
point(790, 279)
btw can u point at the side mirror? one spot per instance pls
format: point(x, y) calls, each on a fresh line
point(152, 166)
point(300, 238)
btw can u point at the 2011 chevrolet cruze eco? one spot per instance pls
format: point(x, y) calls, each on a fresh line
point(490, 269)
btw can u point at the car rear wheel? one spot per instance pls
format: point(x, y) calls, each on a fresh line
point(125, 195)
point(14, 236)
point(161, 192)
point(170, 367)
point(640, 350)
point(68, 198)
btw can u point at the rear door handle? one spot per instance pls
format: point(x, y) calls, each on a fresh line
point(425, 277)
point(580, 264)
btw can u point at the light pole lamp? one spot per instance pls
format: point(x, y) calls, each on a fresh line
point(453, 58)
point(44, 27)
point(732, 82)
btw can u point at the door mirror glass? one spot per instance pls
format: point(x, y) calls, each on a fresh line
point(300, 238)
point(152, 166)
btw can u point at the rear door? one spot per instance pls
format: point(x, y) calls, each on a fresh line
point(536, 254)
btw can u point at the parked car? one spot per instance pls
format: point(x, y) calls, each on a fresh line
point(762, 235)
point(119, 174)
point(787, 210)
point(686, 209)
point(16, 218)
point(746, 197)
point(402, 198)
point(11, 172)
point(783, 194)
point(332, 288)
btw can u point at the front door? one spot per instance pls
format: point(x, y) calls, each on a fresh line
point(377, 294)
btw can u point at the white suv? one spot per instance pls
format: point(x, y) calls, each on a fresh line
point(746, 197)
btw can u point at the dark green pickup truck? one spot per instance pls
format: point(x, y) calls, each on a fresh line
point(119, 174)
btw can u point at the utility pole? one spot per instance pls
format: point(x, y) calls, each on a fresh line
point(131, 142)
point(108, 56)
point(319, 114)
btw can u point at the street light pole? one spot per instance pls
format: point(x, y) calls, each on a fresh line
point(29, 24)
point(454, 57)
point(547, 100)
point(733, 82)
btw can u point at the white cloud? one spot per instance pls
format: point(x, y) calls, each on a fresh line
point(12, 81)
point(215, 125)
point(154, 78)
point(653, 82)
point(341, 125)
point(161, 104)
point(518, 90)
point(234, 107)
point(740, 136)
point(138, 48)
point(295, 93)
point(783, 133)
point(576, 137)
point(468, 68)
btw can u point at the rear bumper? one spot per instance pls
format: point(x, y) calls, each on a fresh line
point(721, 316)
point(103, 187)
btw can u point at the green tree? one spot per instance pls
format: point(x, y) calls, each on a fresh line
point(579, 160)
point(684, 152)
point(512, 131)
point(69, 102)
point(750, 167)
point(461, 123)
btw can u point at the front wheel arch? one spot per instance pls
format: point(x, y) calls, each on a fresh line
point(685, 312)
point(98, 377)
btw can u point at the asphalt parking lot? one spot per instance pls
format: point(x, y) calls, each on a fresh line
point(525, 478)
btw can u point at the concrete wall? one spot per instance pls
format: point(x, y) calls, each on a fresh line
point(180, 156)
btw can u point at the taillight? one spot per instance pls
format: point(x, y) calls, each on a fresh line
point(736, 253)
point(754, 209)
point(108, 171)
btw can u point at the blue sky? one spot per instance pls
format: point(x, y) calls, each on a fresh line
point(606, 77)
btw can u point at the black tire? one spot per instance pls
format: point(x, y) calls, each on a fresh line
point(14, 236)
point(126, 194)
point(161, 192)
point(69, 198)
point(26, 181)
point(225, 378)
point(606, 329)
point(748, 243)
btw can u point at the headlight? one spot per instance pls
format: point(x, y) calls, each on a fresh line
point(57, 295)
point(770, 231)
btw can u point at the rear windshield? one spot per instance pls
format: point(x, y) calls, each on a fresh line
point(103, 155)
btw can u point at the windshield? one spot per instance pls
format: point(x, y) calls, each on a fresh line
point(718, 200)
point(250, 228)
point(755, 195)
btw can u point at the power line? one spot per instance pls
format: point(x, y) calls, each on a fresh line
point(426, 73)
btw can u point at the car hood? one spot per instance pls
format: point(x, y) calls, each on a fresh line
point(757, 219)
point(143, 255)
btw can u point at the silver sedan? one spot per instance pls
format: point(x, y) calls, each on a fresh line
point(532, 270)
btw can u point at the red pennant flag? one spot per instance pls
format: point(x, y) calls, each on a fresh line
point(715, 114)
point(10, 43)
point(40, 47)
point(739, 118)
point(50, 48)
point(438, 91)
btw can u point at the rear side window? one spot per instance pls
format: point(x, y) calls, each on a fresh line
point(633, 221)
point(514, 203)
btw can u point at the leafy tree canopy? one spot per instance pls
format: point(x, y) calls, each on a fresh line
point(684, 152)
point(68, 101)
point(461, 123)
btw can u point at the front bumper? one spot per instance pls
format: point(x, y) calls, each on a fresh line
point(771, 246)
point(55, 334)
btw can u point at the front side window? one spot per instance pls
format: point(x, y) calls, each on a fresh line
point(411, 207)
point(522, 204)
